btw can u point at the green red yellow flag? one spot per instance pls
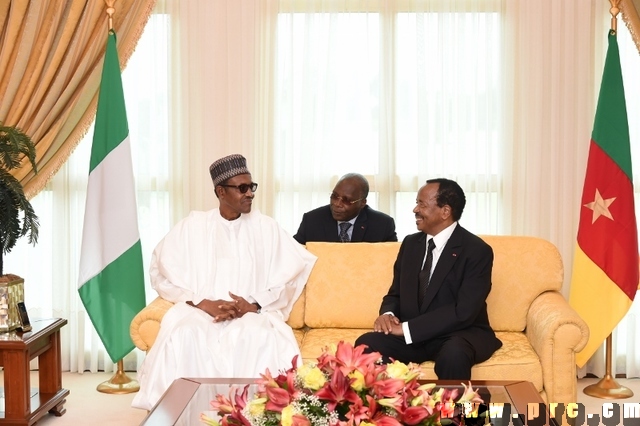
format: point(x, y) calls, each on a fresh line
point(605, 267)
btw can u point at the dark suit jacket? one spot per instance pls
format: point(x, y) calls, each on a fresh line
point(370, 226)
point(455, 303)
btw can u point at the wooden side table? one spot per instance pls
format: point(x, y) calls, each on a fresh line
point(17, 349)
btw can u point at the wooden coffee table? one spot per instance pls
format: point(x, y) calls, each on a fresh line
point(17, 349)
point(186, 398)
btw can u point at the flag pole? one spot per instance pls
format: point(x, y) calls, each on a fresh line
point(614, 14)
point(119, 383)
point(607, 387)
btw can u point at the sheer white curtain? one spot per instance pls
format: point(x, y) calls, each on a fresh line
point(50, 269)
point(557, 54)
point(499, 95)
point(397, 91)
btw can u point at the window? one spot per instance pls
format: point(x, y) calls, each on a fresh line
point(395, 95)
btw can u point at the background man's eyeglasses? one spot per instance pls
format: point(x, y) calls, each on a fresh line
point(243, 188)
point(337, 198)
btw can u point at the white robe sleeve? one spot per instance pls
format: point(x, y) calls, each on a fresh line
point(165, 288)
point(289, 267)
point(170, 272)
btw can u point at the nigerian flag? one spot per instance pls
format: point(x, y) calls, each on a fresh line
point(111, 278)
point(605, 265)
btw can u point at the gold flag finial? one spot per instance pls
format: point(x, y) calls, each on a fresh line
point(614, 14)
point(110, 11)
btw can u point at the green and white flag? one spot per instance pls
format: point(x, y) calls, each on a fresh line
point(111, 277)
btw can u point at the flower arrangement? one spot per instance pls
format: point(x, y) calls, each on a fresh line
point(346, 387)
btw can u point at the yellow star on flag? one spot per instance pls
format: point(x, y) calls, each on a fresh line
point(600, 206)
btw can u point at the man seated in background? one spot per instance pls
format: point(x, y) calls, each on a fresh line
point(234, 275)
point(436, 307)
point(347, 218)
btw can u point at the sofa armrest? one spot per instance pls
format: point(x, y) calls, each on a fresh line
point(556, 333)
point(146, 324)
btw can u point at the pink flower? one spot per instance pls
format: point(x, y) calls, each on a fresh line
point(337, 390)
point(222, 404)
point(328, 362)
point(353, 389)
point(241, 400)
point(350, 358)
point(357, 412)
point(414, 415)
point(385, 420)
point(266, 380)
point(470, 395)
point(449, 394)
point(278, 398)
point(300, 420)
point(388, 387)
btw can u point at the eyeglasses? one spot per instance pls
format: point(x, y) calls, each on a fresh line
point(243, 188)
point(337, 198)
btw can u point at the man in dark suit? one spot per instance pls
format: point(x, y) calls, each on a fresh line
point(347, 218)
point(436, 308)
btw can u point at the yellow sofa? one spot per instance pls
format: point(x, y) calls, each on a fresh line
point(539, 330)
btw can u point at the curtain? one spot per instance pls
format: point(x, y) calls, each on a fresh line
point(629, 10)
point(498, 95)
point(398, 91)
point(220, 90)
point(50, 268)
point(50, 61)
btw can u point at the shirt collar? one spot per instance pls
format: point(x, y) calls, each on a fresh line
point(443, 236)
point(352, 221)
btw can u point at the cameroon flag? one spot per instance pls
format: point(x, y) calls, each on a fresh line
point(605, 266)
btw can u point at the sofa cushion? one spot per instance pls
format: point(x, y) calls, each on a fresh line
point(315, 340)
point(348, 294)
point(299, 335)
point(515, 284)
point(296, 317)
point(515, 360)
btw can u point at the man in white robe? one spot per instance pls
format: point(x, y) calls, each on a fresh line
point(234, 276)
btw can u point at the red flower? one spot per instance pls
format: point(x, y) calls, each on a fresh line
point(357, 412)
point(350, 358)
point(278, 398)
point(385, 420)
point(298, 420)
point(414, 415)
point(337, 390)
point(388, 387)
point(385, 396)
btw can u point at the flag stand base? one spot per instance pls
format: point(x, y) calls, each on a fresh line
point(120, 383)
point(608, 388)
